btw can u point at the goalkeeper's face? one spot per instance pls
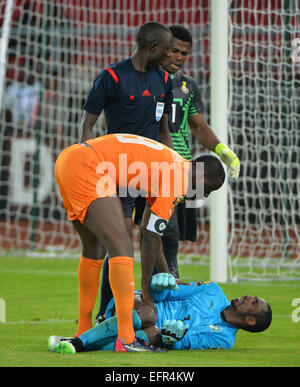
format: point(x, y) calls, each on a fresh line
point(248, 305)
point(252, 314)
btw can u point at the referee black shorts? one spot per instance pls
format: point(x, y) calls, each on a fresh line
point(128, 204)
point(187, 222)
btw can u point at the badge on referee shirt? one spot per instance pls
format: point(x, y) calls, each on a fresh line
point(159, 110)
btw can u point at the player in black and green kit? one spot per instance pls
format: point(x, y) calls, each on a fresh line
point(186, 115)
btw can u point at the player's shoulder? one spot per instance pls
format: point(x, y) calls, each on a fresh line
point(163, 74)
point(122, 65)
point(186, 79)
point(183, 83)
point(119, 68)
point(181, 76)
point(209, 286)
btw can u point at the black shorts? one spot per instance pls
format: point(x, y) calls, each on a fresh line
point(187, 222)
point(128, 204)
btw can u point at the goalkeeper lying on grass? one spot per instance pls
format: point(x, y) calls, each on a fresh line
point(192, 316)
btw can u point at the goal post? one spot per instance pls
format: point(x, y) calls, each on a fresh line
point(4, 39)
point(219, 122)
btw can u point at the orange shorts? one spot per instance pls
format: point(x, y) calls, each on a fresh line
point(78, 180)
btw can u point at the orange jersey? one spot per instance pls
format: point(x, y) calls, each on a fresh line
point(112, 164)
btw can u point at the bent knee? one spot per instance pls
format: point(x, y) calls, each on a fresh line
point(153, 334)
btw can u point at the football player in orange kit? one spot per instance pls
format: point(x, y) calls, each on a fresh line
point(91, 177)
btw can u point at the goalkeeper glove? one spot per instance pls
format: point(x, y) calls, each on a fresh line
point(164, 281)
point(230, 159)
point(173, 331)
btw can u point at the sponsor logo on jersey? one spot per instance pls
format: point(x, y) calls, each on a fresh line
point(184, 87)
point(215, 328)
point(146, 93)
point(199, 283)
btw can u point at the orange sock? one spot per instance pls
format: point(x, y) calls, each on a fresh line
point(88, 285)
point(121, 280)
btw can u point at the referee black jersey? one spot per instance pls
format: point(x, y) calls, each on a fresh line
point(186, 102)
point(133, 102)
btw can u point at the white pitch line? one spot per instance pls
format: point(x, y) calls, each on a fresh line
point(39, 272)
point(50, 321)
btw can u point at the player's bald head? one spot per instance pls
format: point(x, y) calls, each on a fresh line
point(152, 32)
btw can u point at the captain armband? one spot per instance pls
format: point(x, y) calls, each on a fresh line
point(156, 224)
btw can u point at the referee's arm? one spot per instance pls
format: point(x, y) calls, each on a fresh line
point(164, 133)
point(86, 126)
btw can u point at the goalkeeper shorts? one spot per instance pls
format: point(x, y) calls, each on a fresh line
point(75, 173)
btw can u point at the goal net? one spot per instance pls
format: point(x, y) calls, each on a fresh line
point(264, 123)
point(51, 51)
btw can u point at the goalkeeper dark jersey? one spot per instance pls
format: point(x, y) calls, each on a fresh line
point(186, 102)
point(133, 102)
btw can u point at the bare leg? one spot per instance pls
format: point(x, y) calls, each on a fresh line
point(106, 221)
point(91, 246)
point(89, 269)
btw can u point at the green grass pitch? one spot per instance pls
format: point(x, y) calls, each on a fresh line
point(41, 300)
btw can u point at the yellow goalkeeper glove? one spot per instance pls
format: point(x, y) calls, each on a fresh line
point(230, 159)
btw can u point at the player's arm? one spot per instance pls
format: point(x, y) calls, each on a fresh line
point(152, 228)
point(103, 87)
point(88, 121)
point(164, 132)
point(205, 136)
point(202, 131)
